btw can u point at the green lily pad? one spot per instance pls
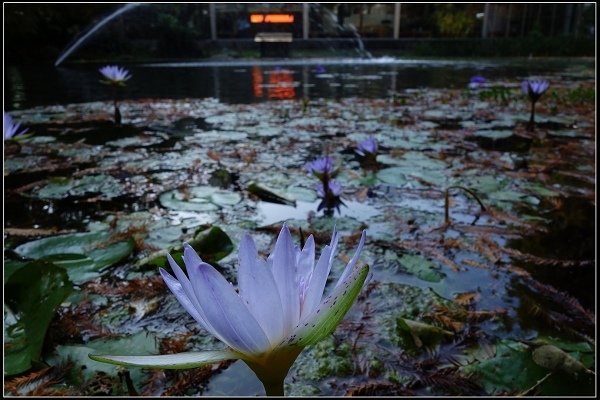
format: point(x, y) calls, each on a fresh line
point(494, 134)
point(11, 266)
point(142, 343)
point(420, 333)
point(513, 368)
point(211, 244)
point(393, 176)
point(60, 188)
point(422, 268)
point(83, 255)
point(302, 194)
point(199, 198)
point(34, 292)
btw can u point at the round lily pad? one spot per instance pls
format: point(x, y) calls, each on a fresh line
point(199, 198)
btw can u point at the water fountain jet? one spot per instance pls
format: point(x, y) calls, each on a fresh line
point(70, 49)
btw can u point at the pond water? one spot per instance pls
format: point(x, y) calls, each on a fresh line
point(481, 234)
point(239, 81)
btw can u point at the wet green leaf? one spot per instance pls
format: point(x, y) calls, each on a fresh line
point(422, 268)
point(83, 255)
point(142, 343)
point(269, 194)
point(211, 244)
point(393, 176)
point(199, 198)
point(553, 358)
point(11, 266)
point(422, 334)
point(494, 134)
point(34, 292)
point(105, 185)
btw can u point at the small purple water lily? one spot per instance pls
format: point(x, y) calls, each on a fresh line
point(534, 89)
point(333, 187)
point(476, 81)
point(11, 128)
point(323, 165)
point(320, 69)
point(279, 310)
point(115, 75)
point(367, 146)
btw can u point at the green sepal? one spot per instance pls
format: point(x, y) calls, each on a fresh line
point(330, 312)
point(169, 361)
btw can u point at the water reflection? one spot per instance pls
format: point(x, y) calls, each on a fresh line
point(230, 82)
point(280, 83)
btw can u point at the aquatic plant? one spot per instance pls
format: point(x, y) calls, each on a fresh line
point(329, 190)
point(330, 193)
point(534, 89)
point(367, 147)
point(367, 153)
point(11, 128)
point(115, 76)
point(279, 310)
point(476, 81)
point(320, 69)
point(320, 166)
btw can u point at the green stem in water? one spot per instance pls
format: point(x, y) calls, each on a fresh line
point(531, 125)
point(273, 368)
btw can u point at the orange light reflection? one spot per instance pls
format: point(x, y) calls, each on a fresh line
point(257, 80)
point(280, 84)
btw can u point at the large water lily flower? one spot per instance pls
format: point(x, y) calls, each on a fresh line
point(11, 128)
point(279, 310)
point(534, 89)
point(115, 75)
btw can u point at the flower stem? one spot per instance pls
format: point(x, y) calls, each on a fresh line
point(272, 369)
point(274, 388)
point(531, 125)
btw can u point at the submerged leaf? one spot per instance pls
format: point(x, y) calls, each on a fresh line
point(553, 358)
point(34, 292)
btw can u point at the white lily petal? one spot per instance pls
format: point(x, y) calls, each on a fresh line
point(306, 259)
point(352, 262)
point(285, 274)
point(169, 361)
point(318, 279)
point(306, 262)
point(225, 310)
point(259, 291)
point(188, 304)
point(335, 238)
point(330, 312)
point(190, 257)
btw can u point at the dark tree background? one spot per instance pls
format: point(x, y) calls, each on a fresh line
point(40, 32)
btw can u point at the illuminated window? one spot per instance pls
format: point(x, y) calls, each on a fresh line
point(272, 18)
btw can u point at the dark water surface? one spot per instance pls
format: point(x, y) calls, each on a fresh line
point(248, 81)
